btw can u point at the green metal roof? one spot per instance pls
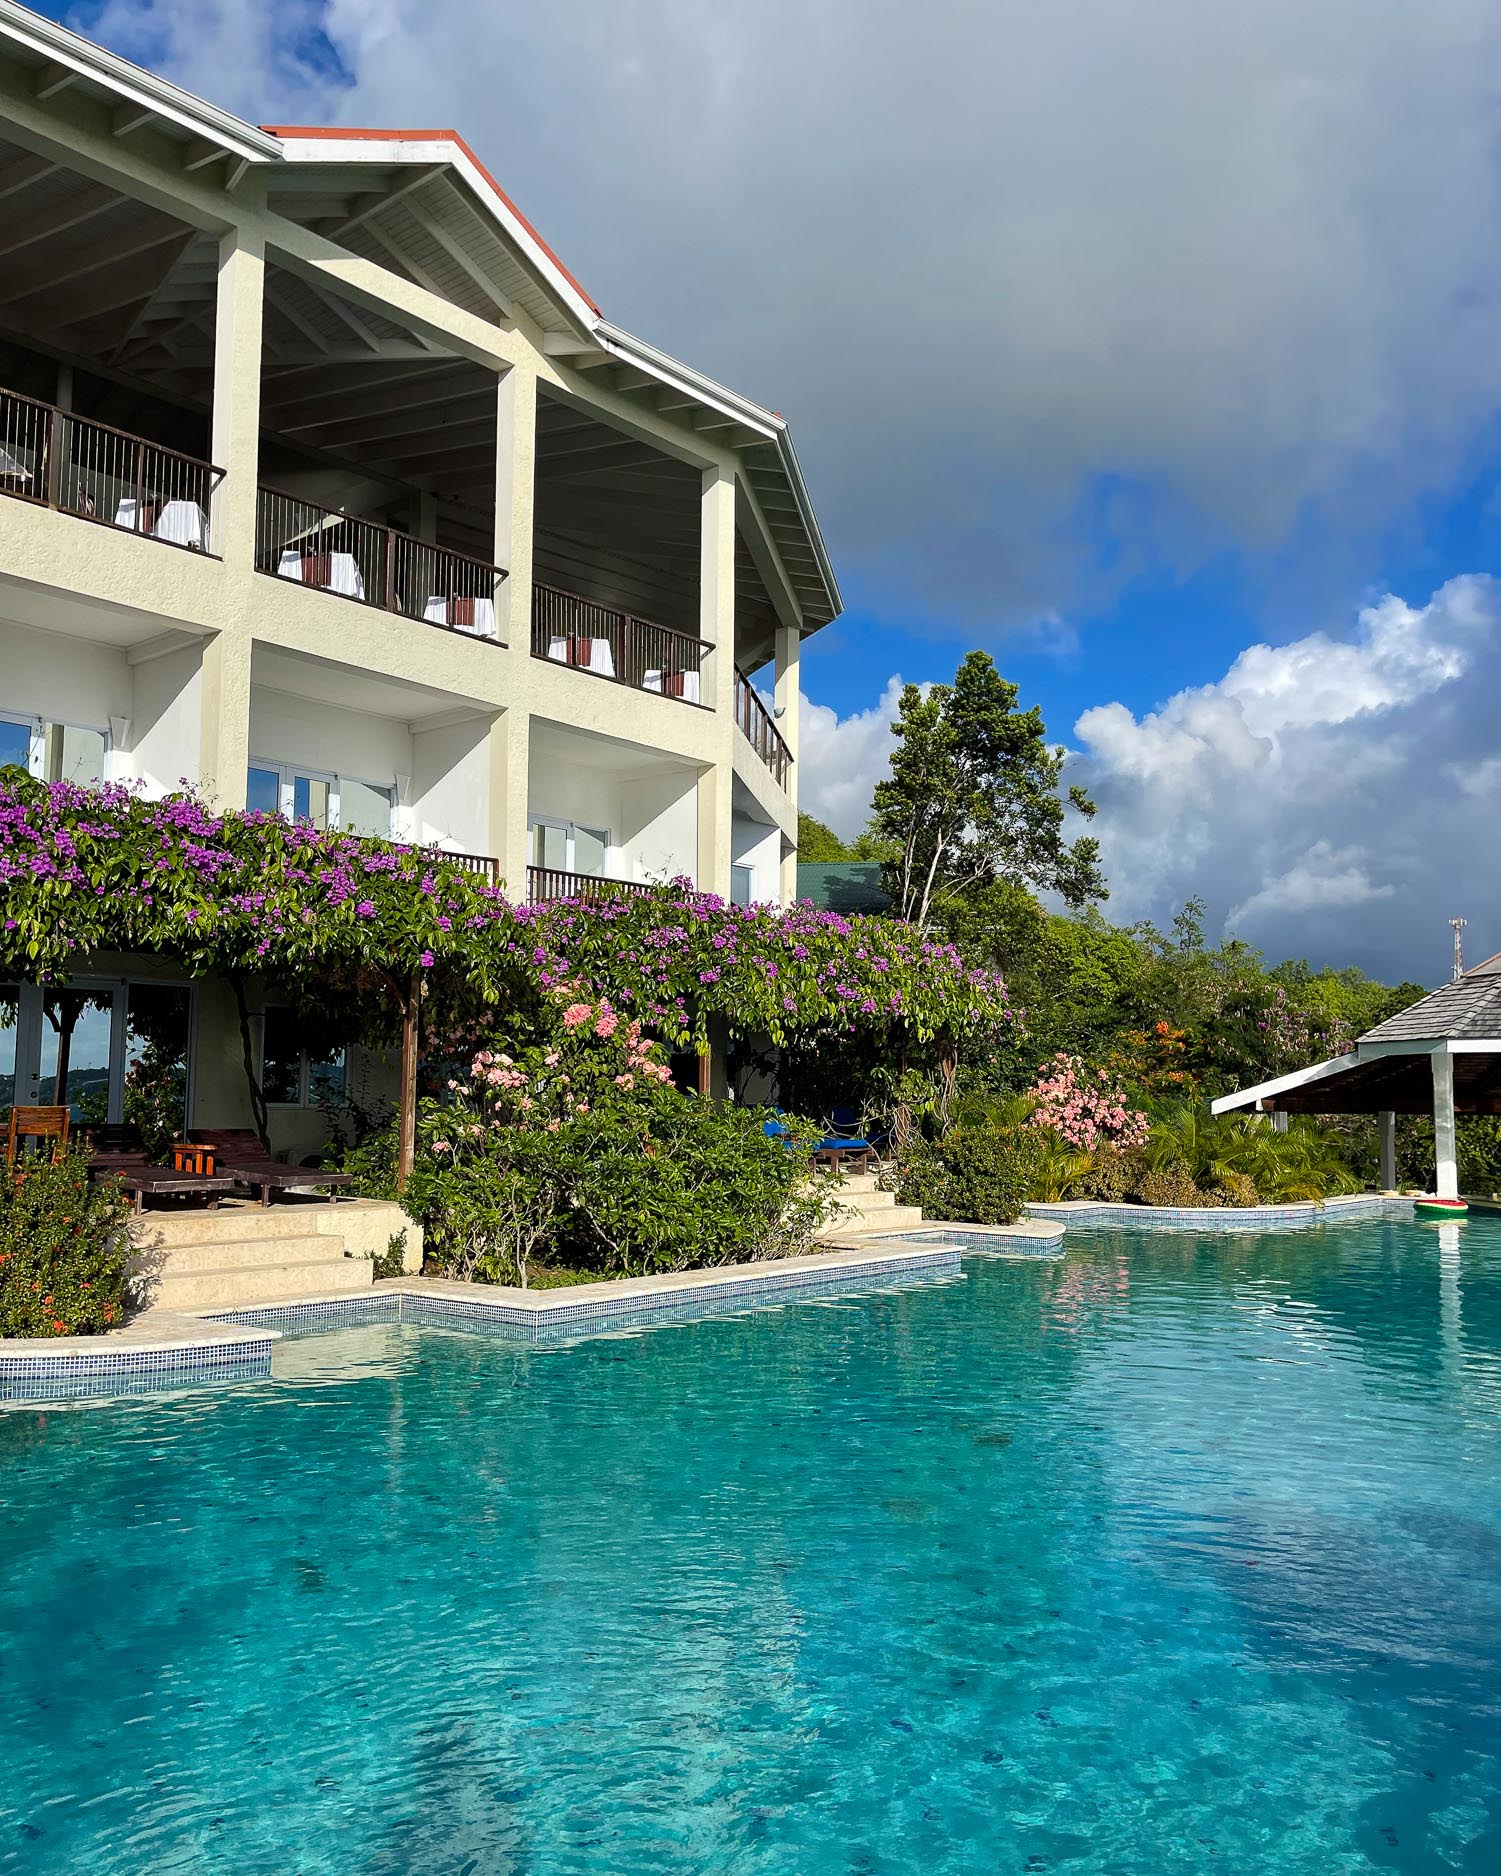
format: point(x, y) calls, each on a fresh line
point(844, 886)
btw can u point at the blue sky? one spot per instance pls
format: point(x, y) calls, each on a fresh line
point(1153, 349)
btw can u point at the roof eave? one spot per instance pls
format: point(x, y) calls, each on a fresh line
point(675, 375)
point(132, 84)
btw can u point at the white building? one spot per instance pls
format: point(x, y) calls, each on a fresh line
point(324, 485)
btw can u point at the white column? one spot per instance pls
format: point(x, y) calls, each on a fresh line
point(1445, 1152)
point(224, 717)
point(235, 447)
point(515, 497)
point(1279, 1120)
point(716, 614)
point(510, 772)
point(788, 695)
point(1386, 1132)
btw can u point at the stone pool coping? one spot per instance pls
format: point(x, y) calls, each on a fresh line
point(1226, 1218)
point(162, 1348)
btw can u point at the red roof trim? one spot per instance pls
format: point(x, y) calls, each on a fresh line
point(349, 133)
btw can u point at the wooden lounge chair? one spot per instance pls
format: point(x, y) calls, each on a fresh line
point(36, 1123)
point(246, 1161)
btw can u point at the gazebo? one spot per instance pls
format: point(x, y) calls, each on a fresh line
point(1441, 1056)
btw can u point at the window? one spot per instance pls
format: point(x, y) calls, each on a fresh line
point(53, 752)
point(290, 1077)
point(565, 847)
point(742, 885)
point(321, 801)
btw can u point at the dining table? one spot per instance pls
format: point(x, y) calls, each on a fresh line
point(330, 573)
point(475, 616)
point(585, 654)
point(682, 684)
point(181, 521)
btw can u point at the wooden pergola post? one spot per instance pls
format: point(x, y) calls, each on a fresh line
point(406, 1149)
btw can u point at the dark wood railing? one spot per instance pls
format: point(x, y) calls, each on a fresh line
point(550, 882)
point(760, 731)
point(375, 564)
point(50, 457)
point(485, 865)
point(568, 629)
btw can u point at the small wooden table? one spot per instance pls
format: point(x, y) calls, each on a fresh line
point(143, 1182)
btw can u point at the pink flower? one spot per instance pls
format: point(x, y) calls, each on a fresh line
point(576, 1015)
point(608, 1023)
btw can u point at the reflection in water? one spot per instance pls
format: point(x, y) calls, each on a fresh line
point(1176, 1554)
point(75, 1051)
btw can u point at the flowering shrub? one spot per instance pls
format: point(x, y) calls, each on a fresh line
point(64, 1248)
point(1085, 1106)
point(578, 1148)
point(84, 870)
point(973, 1175)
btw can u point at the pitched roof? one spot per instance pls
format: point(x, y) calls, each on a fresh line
point(1468, 1010)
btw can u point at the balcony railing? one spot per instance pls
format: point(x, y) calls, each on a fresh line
point(50, 457)
point(567, 629)
point(377, 565)
point(549, 882)
point(760, 731)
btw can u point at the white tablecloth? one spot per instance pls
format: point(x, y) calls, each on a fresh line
point(439, 612)
point(689, 692)
point(183, 522)
point(343, 577)
point(600, 659)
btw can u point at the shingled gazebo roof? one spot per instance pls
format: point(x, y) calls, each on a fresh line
point(1467, 1010)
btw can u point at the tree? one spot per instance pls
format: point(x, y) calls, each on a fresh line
point(817, 843)
point(974, 796)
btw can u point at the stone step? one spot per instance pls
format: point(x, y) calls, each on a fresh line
point(860, 1182)
point(242, 1254)
point(234, 1224)
point(871, 1202)
point(238, 1286)
point(888, 1218)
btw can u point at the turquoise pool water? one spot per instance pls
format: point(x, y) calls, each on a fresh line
point(1177, 1554)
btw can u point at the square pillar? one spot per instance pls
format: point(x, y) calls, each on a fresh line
point(713, 792)
point(1386, 1140)
point(510, 780)
point(235, 447)
point(515, 499)
point(224, 718)
point(716, 589)
point(788, 694)
point(1445, 1149)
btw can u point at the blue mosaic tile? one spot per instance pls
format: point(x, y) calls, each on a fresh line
point(993, 1243)
point(1215, 1218)
point(128, 1370)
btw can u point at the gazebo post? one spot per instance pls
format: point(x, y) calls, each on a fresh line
point(1446, 1169)
point(1386, 1133)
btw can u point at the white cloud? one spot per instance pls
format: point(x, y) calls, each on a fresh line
point(1023, 276)
point(840, 759)
point(1329, 796)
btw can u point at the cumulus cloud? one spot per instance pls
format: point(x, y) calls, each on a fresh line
point(1335, 797)
point(1329, 797)
point(1052, 293)
point(840, 759)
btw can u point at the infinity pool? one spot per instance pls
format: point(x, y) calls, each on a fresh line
point(1175, 1554)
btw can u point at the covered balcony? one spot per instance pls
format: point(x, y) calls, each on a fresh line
point(606, 817)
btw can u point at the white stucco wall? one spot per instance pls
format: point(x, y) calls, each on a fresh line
point(66, 680)
point(301, 730)
point(450, 793)
point(754, 844)
point(162, 749)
